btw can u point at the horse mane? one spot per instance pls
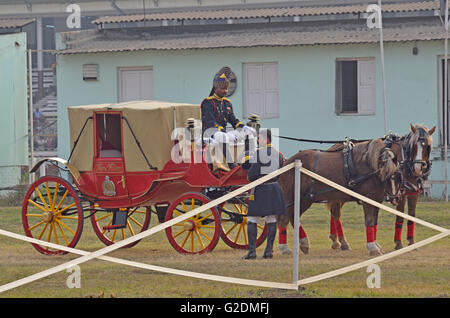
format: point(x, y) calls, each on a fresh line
point(414, 137)
point(380, 159)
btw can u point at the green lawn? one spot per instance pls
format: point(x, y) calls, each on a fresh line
point(421, 273)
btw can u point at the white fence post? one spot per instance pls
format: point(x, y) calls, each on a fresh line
point(297, 167)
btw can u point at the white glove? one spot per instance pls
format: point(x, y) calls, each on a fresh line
point(248, 131)
point(210, 141)
point(221, 137)
point(233, 136)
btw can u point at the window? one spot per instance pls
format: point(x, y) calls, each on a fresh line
point(355, 86)
point(445, 127)
point(135, 83)
point(261, 90)
point(109, 136)
point(90, 72)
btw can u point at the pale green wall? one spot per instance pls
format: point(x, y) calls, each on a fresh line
point(13, 106)
point(306, 86)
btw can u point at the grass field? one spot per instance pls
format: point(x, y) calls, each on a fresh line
point(421, 273)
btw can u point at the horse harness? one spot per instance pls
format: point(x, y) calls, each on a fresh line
point(409, 188)
point(351, 175)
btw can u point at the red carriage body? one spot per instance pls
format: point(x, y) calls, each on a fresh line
point(129, 160)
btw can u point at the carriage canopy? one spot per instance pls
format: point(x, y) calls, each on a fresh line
point(151, 122)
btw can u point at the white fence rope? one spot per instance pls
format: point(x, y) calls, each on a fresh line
point(146, 233)
point(152, 267)
point(375, 260)
point(100, 253)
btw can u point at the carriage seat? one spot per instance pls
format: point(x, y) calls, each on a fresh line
point(110, 153)
point(107, 149)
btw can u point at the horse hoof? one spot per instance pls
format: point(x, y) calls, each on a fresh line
point(345, 246)
point(380, 248)
point(374, 249)
point(398, 245)
point(411, 242)
point(284, 249)
point(375, 253)
point(304, 245)
point(304, 249)
point(336, 245)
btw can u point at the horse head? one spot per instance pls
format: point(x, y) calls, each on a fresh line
point(417, 147)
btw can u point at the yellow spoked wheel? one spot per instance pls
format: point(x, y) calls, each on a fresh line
point(138, 220)
point(233, 218)
point(52, 212)
point(197, 234)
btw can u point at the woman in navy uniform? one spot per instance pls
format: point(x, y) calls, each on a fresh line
point(267, 199)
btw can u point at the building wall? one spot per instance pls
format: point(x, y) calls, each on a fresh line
point(13, 106)
point(306, 87)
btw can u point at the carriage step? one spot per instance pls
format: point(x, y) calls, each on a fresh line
point(119, 220)
point(114, 227)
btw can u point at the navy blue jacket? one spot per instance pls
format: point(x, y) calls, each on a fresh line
point(217, 112)
point(267, 198)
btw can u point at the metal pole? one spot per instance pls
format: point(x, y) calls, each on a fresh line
point(30, 110)
point(382, 68)
point(298, 165)
point(446, 101)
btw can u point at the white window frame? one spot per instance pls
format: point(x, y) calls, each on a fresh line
point(264, 113)
point(365, 106)
point(133, 68)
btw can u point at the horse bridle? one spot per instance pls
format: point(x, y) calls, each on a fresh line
point(408, 154)
point(407, 163)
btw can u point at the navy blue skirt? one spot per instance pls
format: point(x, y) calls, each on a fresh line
point(267, 199)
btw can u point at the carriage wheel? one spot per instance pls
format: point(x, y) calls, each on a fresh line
point(138, 220)
point(234, 226)
point(52, 212)
point(198, 234)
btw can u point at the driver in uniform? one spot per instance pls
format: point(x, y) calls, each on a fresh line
point(217, 112)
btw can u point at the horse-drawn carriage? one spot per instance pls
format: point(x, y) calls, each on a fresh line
point(122, 169)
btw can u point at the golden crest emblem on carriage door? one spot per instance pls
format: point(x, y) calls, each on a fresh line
point(109, 188)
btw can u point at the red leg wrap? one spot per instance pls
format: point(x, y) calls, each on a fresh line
point(340, 230)
point(333, 230)
point(302, 233)
point(375, 232)
point(410, 229)
point(398, 231)
point(370, 233)
point(282, 237)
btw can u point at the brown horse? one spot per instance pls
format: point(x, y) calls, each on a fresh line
point(415, 150)
point(417, 146)
point(393, 194)
point(373, 162)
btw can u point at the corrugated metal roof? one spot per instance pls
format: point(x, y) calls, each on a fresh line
point(14, 23)
point(268, 12)
point(98, 41)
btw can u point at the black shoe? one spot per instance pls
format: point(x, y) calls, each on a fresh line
point(271, 231)
point(251, 233)
point(250, 255)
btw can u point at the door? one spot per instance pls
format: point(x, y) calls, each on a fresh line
point(261, 89)
point(444, 124)
point(135, 83)
point(109, 166)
